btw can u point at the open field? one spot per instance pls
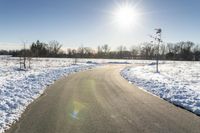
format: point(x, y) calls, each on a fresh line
point(101, 101)
point(177, 82)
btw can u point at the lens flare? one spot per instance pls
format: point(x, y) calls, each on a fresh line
point(77, 107)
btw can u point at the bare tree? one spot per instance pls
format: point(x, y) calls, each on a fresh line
point(157, 39)
point(69, 52)
point(89, 52)
point(29, 58)
point(74, 53)
point(169, 47)
point(81, 51)
point(99, 52)
point(54, 47)
point(121, 51)
point(23, 57)
point(147, 50)
point(162, 51)
point(134, 51)
point(105, 49)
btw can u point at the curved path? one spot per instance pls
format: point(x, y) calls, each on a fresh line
point(101, 101)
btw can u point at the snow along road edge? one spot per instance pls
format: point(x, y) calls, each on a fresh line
point(16, 95)
point(182, 97)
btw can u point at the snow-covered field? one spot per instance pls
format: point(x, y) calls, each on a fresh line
point(177, 82)
point(19, 88)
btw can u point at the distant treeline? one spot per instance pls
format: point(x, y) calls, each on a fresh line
point(38, 49)
point(170, 51)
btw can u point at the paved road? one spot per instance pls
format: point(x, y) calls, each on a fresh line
point(100, 101)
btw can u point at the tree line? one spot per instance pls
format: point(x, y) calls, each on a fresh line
point(185, 50)
point(37, 49)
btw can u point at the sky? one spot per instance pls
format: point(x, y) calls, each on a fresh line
point(91, 23)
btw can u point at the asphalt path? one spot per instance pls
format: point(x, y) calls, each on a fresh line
point(101, 101)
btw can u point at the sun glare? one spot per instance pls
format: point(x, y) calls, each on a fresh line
point(125, 16)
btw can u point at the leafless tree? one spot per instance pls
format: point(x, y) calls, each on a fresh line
point(105, 49)
point(147, 50)
point(74, 53)
point(23, 57)
point(54, 47)
point(121, 51)
point(81, 51)
point(162, 51)
point(134, 51)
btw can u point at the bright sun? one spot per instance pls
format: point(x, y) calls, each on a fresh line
point(125, 16)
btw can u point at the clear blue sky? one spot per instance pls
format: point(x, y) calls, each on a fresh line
point(89, 22)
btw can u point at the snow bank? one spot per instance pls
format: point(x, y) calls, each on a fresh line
point(19, 88)
point(177, 82)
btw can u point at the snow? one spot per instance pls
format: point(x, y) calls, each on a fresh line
point(19, 88)
point(176, 82)
point(116, 61)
